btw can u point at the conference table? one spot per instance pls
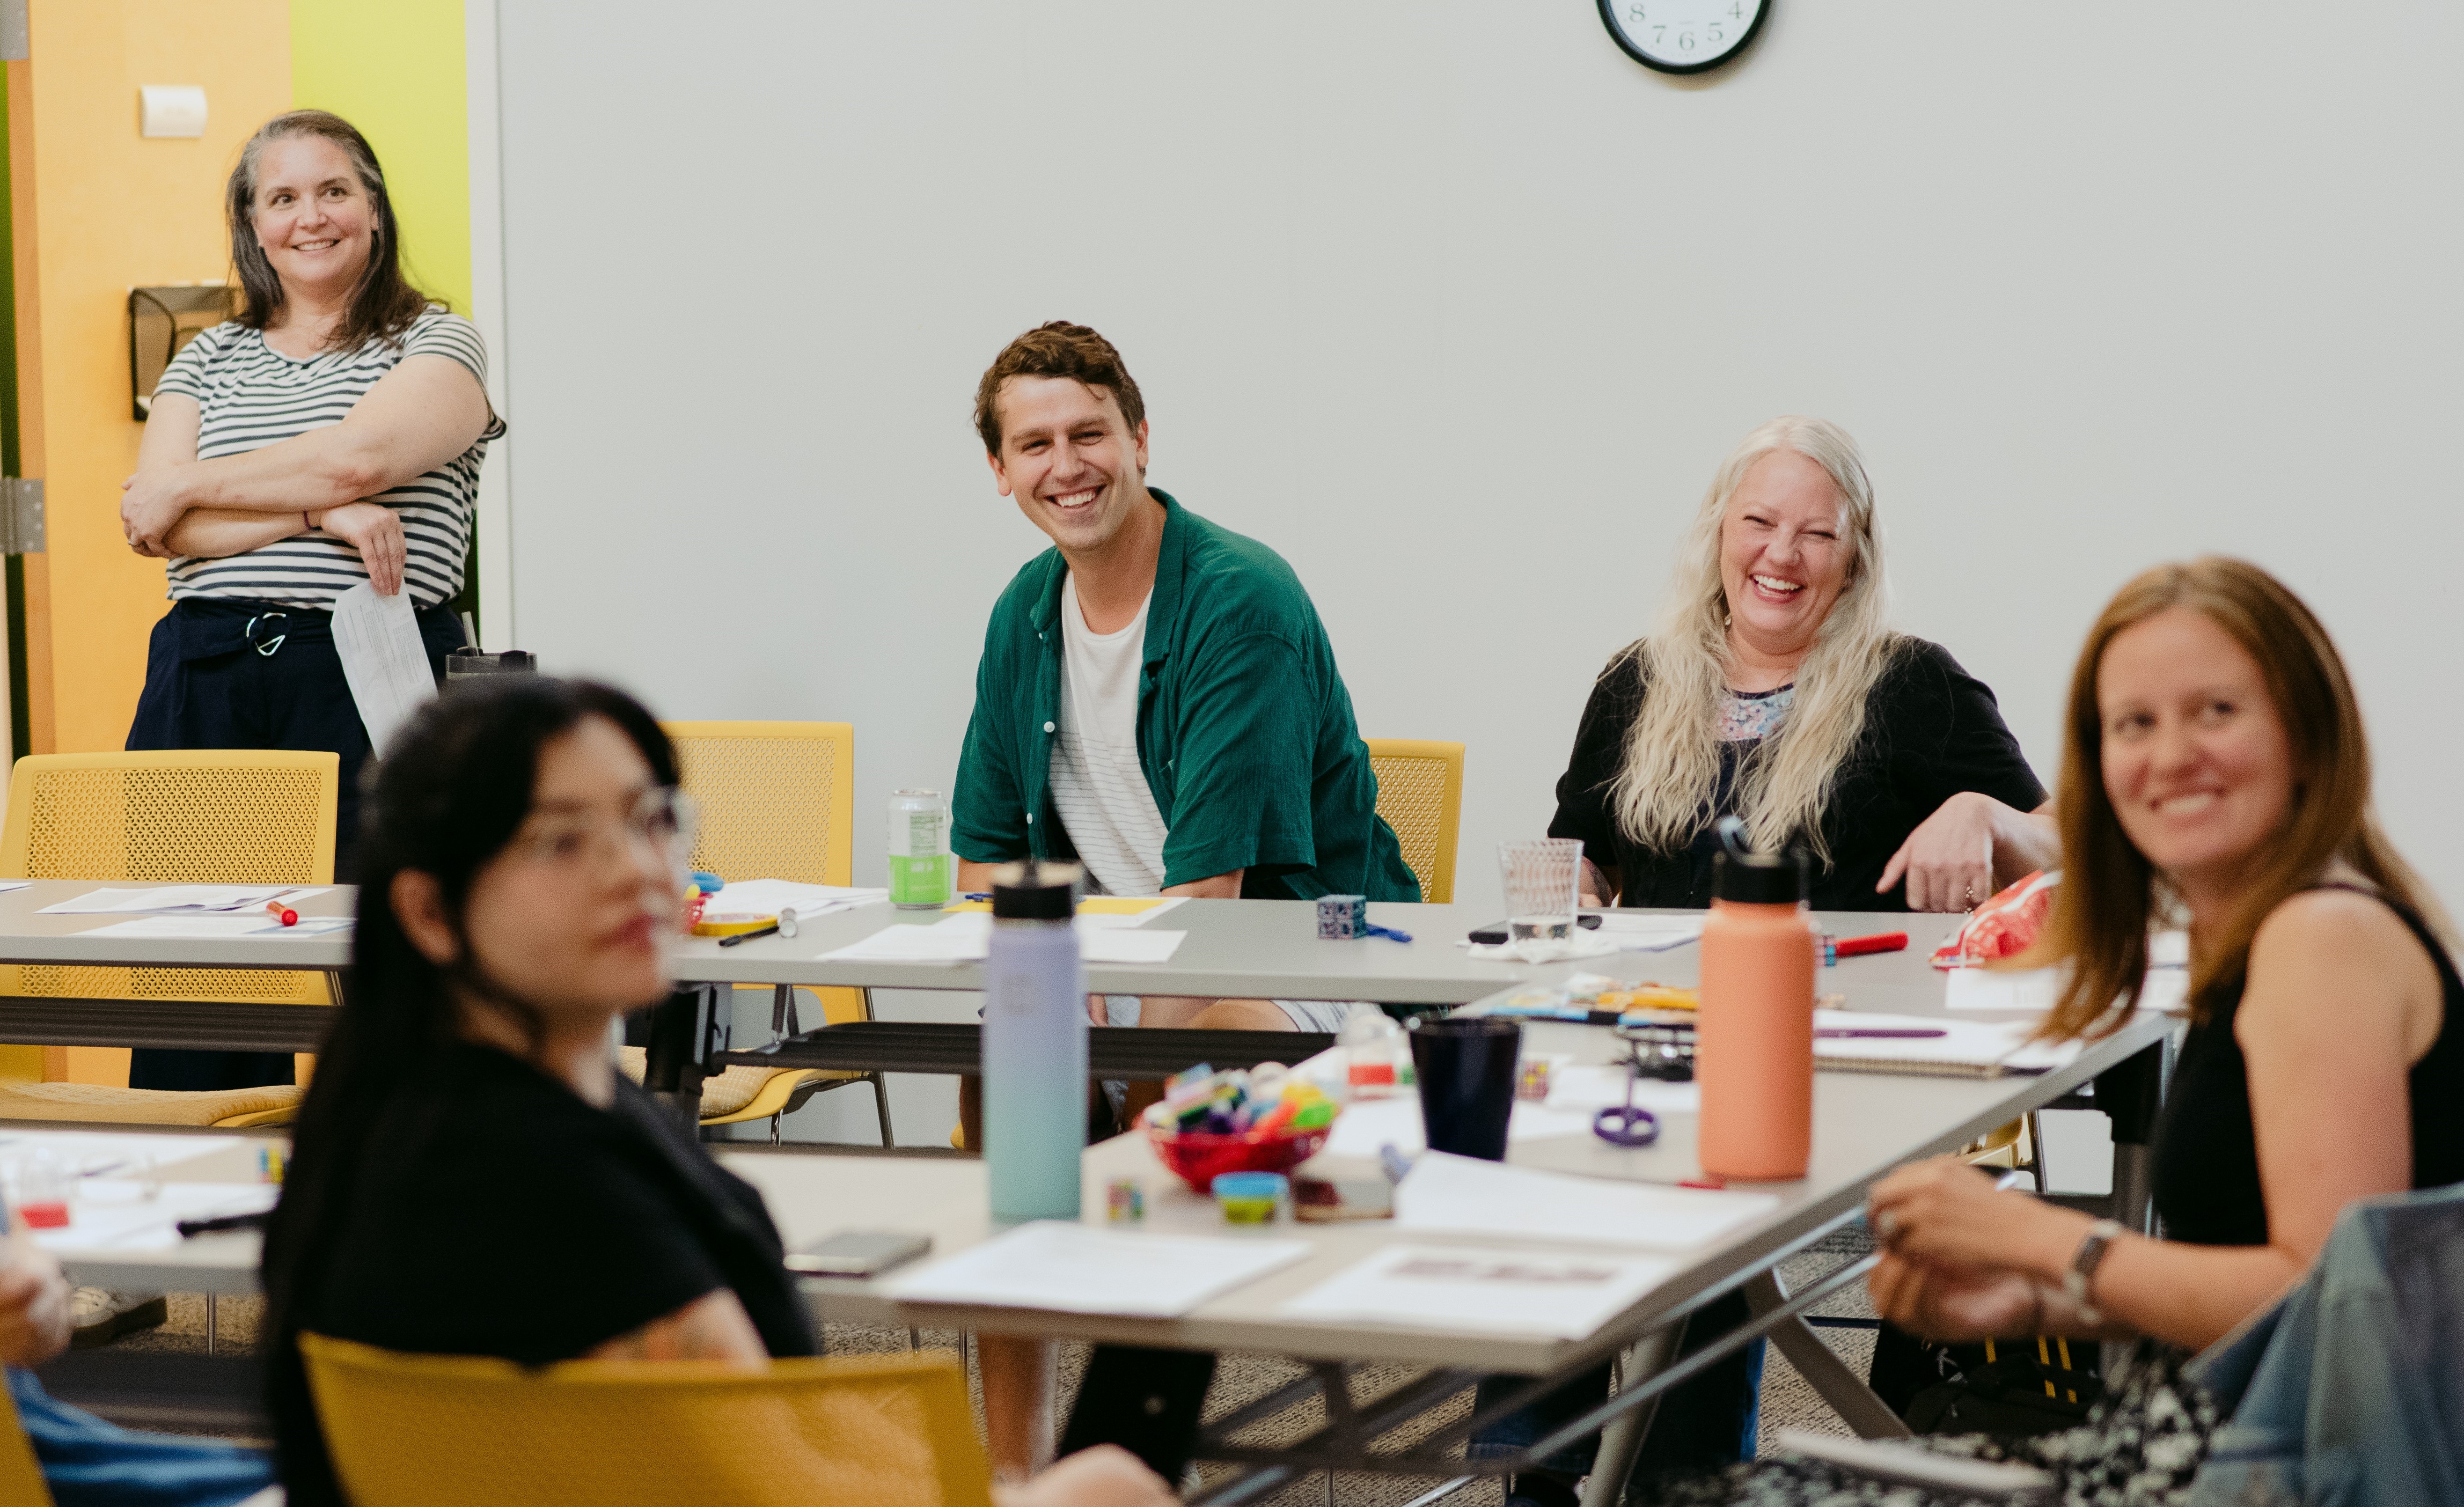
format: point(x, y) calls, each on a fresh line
point(1865, 1126)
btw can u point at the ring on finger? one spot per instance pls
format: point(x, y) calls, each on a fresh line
point(1887, 1224)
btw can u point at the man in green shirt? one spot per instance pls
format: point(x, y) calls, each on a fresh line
point(1158, 698)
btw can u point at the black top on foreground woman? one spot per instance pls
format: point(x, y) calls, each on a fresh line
point(471, 1176)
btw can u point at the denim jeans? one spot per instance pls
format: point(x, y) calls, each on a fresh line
point(90, 1463)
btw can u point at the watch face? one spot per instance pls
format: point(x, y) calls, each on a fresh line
point(1682, 36)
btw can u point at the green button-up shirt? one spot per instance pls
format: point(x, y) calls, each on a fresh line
point(1244, 729)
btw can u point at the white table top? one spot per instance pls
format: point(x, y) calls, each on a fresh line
point(1864, 1126)
point(28, 936)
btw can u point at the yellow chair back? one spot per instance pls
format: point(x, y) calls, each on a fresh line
point(21, 1474)
point(778, 802)
point(417, 1430)
point(1419, 792)
point(191, 815)
point(777, 799)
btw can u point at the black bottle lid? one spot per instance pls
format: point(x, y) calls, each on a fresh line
point(1759, 879)
point(1036, 891)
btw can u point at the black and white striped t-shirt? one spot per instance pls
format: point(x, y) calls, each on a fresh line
point(253, 396)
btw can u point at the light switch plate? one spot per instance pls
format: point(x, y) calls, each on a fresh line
point(172, 110)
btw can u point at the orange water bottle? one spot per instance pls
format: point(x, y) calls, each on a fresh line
point(1754, 1033)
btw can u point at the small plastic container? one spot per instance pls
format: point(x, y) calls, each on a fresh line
point(42, 1191)
point(1251, 1198)
point(1376, 1056)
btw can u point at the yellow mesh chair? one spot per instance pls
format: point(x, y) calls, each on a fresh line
point(415, 1430)
point(778, 802)
point(194, 815)
point(1419, 792)
point(21, 1474)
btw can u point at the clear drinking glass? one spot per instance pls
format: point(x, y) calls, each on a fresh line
point(1541, 877)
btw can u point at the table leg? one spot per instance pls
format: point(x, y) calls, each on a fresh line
point(1621, 1441)
point(1018, 1403)
point(2131, 1095)
point(688, 1030)
point(1823, 1370)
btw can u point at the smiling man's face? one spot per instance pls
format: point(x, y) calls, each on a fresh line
point(1074, 464)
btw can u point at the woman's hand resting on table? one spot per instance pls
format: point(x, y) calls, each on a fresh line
point(1968, 849)
point(1106, 1476)
point(375, 531)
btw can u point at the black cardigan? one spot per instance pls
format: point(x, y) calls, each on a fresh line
point(1931, 731)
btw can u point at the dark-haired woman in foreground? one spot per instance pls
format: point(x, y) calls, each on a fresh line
point(471, 1175)
point(2214, 759)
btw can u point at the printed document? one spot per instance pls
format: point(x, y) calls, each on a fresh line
point(1087, 1269)
point(1470, 1196)
point(383, 658)
point(1515, 1292)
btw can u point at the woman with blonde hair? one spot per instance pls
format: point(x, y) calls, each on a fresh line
point(2214, 763)
point(1775, 689)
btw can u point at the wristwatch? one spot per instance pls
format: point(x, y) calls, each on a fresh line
point(2080, 1281)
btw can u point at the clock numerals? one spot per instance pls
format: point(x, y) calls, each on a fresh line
point(1683, 36)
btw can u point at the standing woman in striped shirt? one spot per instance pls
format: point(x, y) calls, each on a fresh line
point(330, 435)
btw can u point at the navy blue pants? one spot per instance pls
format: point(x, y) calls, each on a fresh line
point(249, 675)
point(1701, 1425)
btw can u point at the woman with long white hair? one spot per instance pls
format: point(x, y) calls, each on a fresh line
point(1775, 689)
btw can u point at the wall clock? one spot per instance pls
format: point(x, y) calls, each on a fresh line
point(1682, 36)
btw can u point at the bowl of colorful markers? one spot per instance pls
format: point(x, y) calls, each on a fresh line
point(1265, 1119)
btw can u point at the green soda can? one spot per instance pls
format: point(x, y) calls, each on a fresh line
point(920, 866)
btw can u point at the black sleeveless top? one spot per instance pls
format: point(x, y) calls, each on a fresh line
point(2206, 1157)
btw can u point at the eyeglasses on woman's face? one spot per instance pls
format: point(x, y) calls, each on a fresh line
point(658, 826)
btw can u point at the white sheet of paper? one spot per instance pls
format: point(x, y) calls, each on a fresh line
point(1649, 933)
point(1363, 1127)
point(1467, 1195)
point(113, 1214)
point(1596, 1088)
point(14, 884)
point(384, 658)
point(1436, 1287)
point(2033, 990)
point(965, 936)
point(93, 1153)
point(164, 898)
point(770, 897)
point(1087, 1269)
point(219, 925)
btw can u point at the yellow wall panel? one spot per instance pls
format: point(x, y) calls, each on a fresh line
point(396, 72)
point(112, 211)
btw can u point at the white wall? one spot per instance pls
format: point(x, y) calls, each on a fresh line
point(1457, 308)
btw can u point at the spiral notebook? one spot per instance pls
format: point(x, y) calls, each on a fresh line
point(1949, 1047)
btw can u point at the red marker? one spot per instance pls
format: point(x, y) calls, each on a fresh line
point(1833, 950)
point(290, 917)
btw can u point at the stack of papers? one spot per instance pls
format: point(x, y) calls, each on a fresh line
point(1103, 910)
point(770, 897)
point(1087, 1269)
point(2166, 988)
point(214, 924)
point(966, 937)
point(1434, 1287)
point(1640, 933)
point(160, 899)
point(1465, 1195)
point(96, 1153)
